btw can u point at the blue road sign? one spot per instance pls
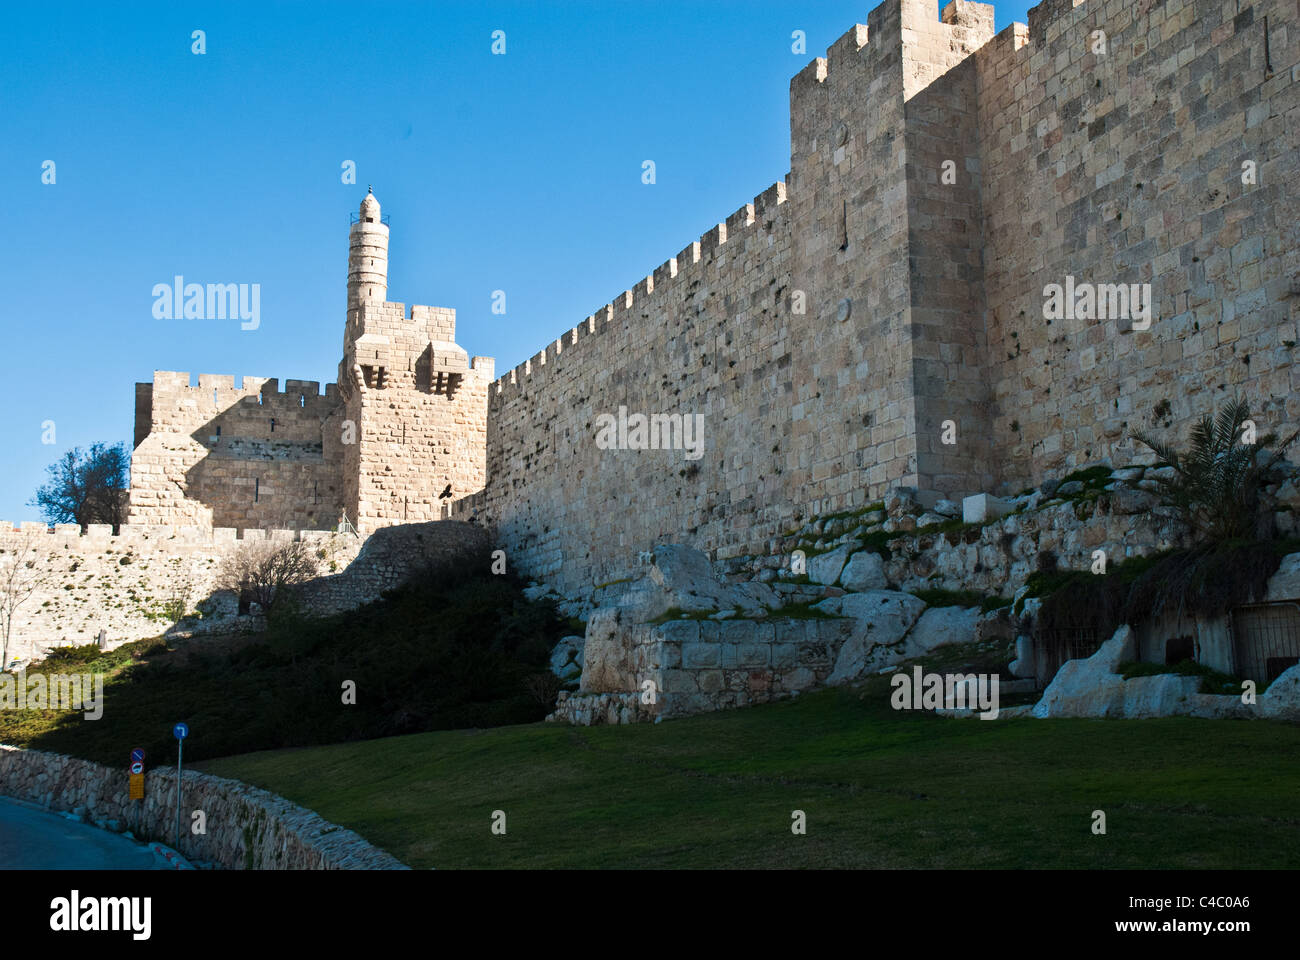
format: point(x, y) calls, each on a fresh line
point(137, 755)
point(181, 731)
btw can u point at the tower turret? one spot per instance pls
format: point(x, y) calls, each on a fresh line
point(367, 256)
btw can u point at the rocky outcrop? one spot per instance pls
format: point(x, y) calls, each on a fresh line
point(825, 568)
point(1281, 701)
point(1091, 688)
point(881, 619)
point(566, 658)
point(940, 627)
point(864, 571)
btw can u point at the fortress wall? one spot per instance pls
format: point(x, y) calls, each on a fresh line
point(1126, 167)
point(854, 421)
point(805, 399)
point(253, 456)
point(945, 228)
point(414, 439)
point(122, 584)
point(705, 334)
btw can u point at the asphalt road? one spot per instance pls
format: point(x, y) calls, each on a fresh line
point(32, 839)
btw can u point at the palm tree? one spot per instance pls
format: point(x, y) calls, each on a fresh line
point(1216, 484)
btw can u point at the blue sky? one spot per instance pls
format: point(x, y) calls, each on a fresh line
point(519, 172)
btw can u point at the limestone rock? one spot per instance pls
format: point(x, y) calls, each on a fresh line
point(607, 647)
point(684, 578)
point(566, 658)
point(1285, 583)
point(1281, 701)
point(899, 501)
point(1024, 665)
point(882, 619)
point(941, 626)
point(825, 568)
point(1091, 688)
point(760, 593)
point(947, 508)
point(1125, 500)
point(1070, 489)
point(1088, 688)
point(864, 571)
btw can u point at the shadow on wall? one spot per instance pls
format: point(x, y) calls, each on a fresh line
point(258, 457)
point(387, 560)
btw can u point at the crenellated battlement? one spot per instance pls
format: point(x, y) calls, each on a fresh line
point(156, 533)
point(941, 176)
point(757, 218)
point(168, 383)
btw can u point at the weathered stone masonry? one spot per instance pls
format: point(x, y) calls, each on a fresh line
point(402, 432)
point(924, 298)
point(247, 828)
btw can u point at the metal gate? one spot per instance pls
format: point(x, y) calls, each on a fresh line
point(1265, 640)
point(1052, 648)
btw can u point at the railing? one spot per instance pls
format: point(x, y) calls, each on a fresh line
point(1265, 640)
point(355, 217)
point(1052, 648)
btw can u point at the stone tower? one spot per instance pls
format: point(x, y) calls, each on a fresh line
point(367, 256)
point(415, 405)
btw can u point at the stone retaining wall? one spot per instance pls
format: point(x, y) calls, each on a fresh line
point(124, 584)
point(696, 666)
point(247, 828)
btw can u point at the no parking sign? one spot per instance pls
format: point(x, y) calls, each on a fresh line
point(136, 782)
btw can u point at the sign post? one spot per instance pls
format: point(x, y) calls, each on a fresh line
point(180, 732)
point(135, 783)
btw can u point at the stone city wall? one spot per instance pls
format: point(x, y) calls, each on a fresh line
point(246, 828)
point(924, 295)
point(419, 405)
point(255, 456)
point(124, 584)
point(1126, 166)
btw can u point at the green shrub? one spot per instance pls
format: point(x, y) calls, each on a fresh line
point(1212, 681)
point(1216, 484)
point(463, 652)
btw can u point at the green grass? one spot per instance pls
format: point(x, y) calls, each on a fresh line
point(677, 613)
point(961, 598)
point(793, 611)
point(1212, 681)
point(1092, 478)
point(799, 611)
point(880, 789)
point(878, 505)
point(434, 655)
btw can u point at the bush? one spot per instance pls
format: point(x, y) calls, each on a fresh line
point(1216, 484)
point(1212, 681)
point(262, 570)
point(426, 657)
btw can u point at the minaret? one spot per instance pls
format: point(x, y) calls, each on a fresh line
point(367, 256)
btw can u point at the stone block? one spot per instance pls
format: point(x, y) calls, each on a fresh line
point(982, 508)
point(696, 656)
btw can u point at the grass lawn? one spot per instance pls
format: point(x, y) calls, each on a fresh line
point(881, 789)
